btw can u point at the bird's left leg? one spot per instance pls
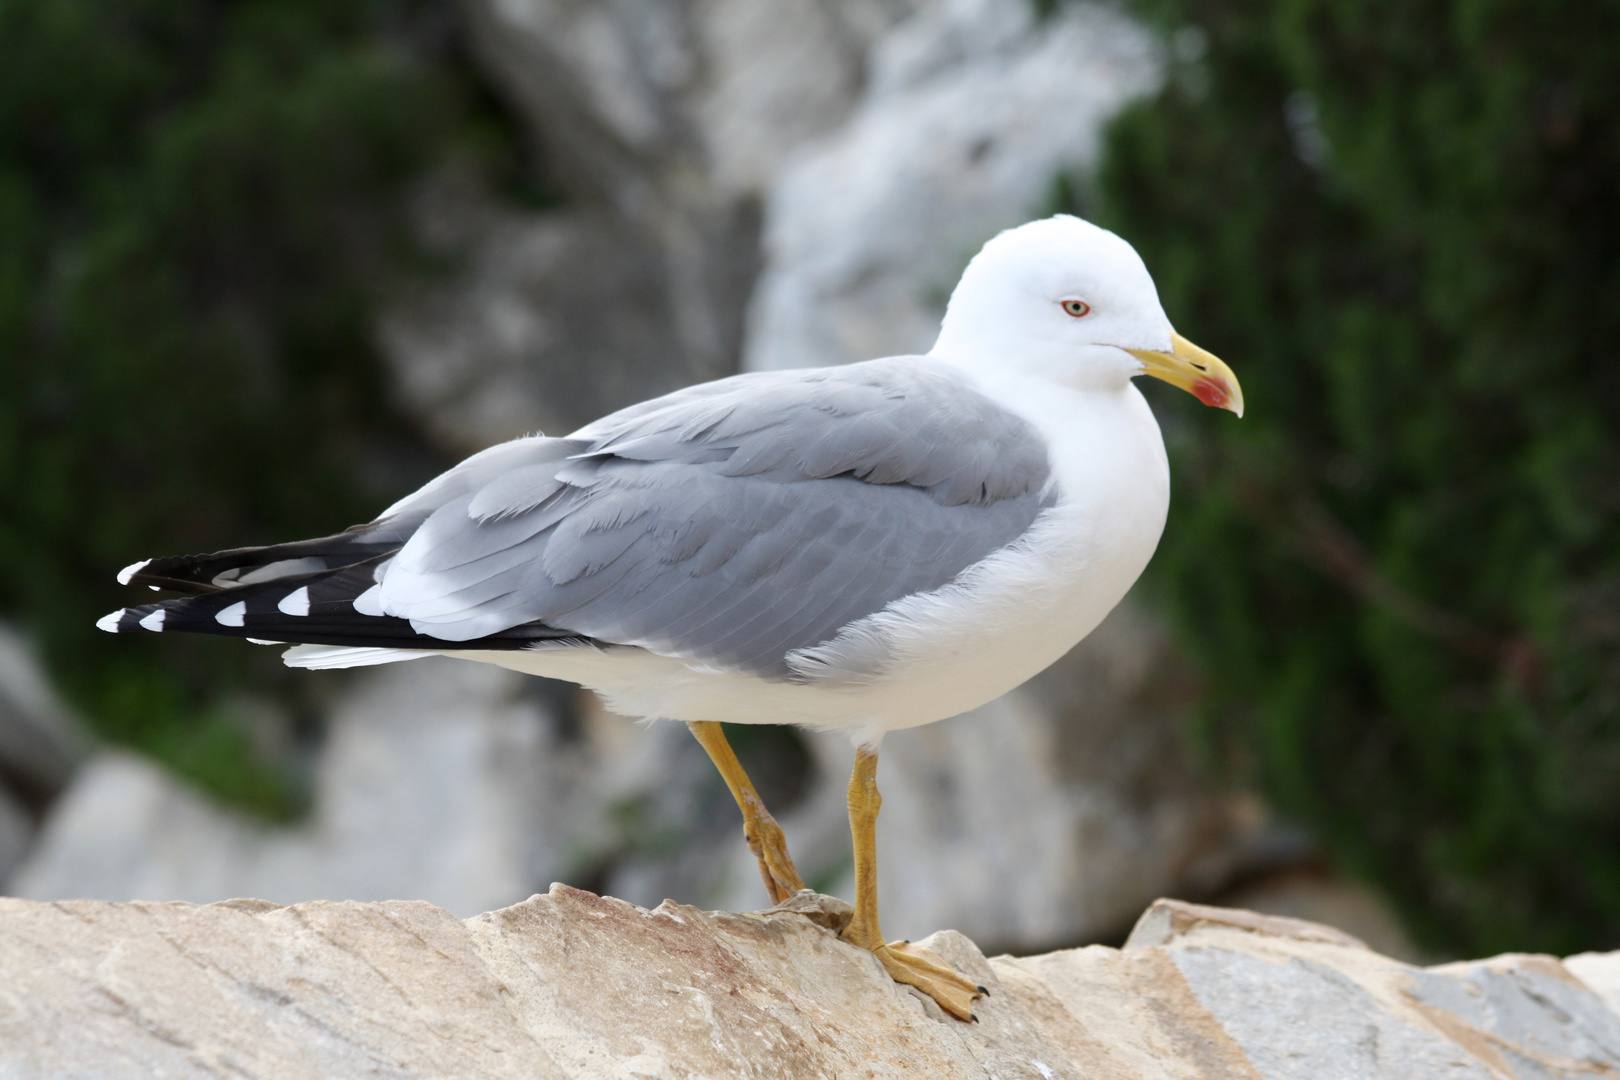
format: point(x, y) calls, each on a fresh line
point(763, 834)
point(905, 962)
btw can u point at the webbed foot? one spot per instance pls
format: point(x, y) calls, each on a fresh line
point(928, 972)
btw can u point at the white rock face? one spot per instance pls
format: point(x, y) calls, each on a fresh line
point(570, 984)
point(973, 110)
point(1600, 971)
point(537, 331)
point(434, 784)
point(631, 94)
point(661, 123)
point(628, 96)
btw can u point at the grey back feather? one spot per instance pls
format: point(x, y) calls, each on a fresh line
point(731, 523)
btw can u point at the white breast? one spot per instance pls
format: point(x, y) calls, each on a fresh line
point(1028, 604)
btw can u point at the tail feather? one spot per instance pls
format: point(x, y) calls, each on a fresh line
point(325, 657)
point(317, 608)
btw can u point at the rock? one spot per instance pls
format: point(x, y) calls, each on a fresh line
point(660, 124)
point(40, 743)
point(973, 111)
point(539, 332)
point(433, 784)
point(16, 831)
point(1601, 972)
point(557, 318)
point(40, 740)
point(1306, 889)
point(1167, 921)
point(665, 103)
point(569, 984)
point(1201, 991)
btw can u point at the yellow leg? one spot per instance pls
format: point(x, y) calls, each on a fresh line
point(905, 962)
point(763, 834)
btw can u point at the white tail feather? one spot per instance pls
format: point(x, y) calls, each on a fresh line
point(323, 657)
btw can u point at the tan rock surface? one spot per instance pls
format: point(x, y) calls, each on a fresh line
point(1600, 971)
point(570, 984)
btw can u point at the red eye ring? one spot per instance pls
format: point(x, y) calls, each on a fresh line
point(1079, 309)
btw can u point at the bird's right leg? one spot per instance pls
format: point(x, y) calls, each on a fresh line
point(905, 962)
point(763, 834)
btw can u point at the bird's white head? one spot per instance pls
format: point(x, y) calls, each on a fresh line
point(1066, 300)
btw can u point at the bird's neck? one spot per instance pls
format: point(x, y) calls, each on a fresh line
point(1091, 369)
point(1092, 434)
point(1026, 376)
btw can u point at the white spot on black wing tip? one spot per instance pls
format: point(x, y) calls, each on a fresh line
point(109, 623)
point(231, 616)
point(295, 603)
point(154, 621)
point(130, 571)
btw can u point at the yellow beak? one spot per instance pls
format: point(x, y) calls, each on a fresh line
point(1199, 373)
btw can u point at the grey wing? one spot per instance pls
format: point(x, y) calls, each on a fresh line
point(736, 522)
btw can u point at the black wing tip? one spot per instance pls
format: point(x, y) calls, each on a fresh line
point(296, 604)
point(208, 573)
point(172, 573)
point(258, 618)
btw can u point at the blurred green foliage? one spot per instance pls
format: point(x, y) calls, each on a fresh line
point(200, 203)
point(1399, 222)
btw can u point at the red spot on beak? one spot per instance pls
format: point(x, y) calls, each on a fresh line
point(1211, 393)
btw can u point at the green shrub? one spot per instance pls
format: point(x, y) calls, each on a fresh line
point(199, 204)
point(1399, 222)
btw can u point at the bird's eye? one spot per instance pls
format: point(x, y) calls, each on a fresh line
point(1076, 308)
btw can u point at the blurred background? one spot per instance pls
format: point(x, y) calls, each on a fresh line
point(266, 265)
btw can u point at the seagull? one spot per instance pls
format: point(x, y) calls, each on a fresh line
point(859, 548)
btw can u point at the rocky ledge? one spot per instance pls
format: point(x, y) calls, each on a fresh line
point(570, 984)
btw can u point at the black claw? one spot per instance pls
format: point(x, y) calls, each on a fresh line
point(983, 990)
point(973, 1017)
